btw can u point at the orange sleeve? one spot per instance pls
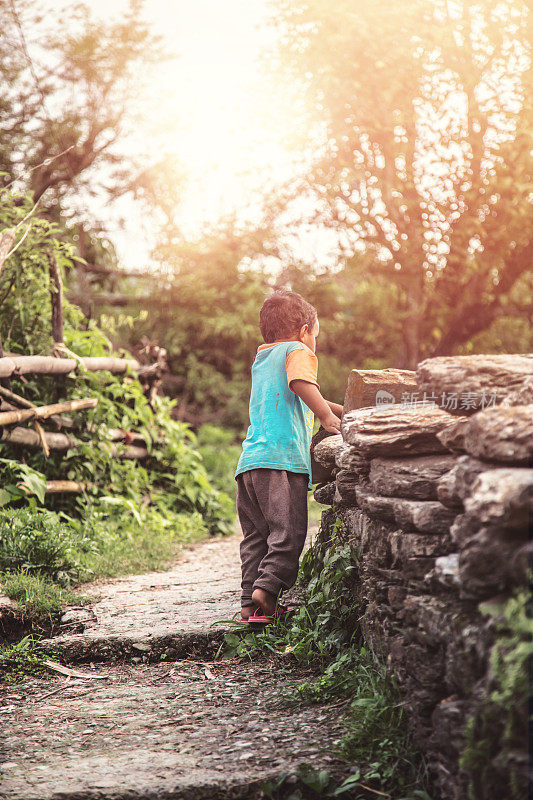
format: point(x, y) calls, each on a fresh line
point(302, 365)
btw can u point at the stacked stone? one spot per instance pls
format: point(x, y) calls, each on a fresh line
point(437, 504)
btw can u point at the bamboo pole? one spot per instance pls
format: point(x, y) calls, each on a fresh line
point(25, 437)
point(44, 412)
point(50, 365)
point(42, 438)
point(110, 364)
point(67, 487)
point(130, 452)
point(120, 435)
point(59, 487)
point(29, 438)
point(16, 398)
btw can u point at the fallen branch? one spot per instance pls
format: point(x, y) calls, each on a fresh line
point(72, 673)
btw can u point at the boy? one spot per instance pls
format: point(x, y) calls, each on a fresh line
point(274, 470)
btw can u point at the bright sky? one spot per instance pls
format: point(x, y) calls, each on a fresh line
point(210, 110)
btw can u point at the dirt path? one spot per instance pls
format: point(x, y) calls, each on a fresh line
point(164, 722)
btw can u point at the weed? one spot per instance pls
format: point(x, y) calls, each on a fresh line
point(21, 659)
point(497, 729)
point(45, 554)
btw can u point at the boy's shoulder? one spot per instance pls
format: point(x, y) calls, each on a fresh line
point(294, 345)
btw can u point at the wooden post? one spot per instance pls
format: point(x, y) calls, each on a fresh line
point(56, 295)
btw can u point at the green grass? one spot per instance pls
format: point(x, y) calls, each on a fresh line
point(38, 597)
point(314, 511)
point(220, 453)
point(123, 546)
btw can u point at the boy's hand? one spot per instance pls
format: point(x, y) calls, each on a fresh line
point(331, 423)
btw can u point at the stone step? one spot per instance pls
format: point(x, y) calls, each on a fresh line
point(178, 613)
point(136, 648)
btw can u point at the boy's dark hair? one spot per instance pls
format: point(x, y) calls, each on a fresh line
point(283, 314)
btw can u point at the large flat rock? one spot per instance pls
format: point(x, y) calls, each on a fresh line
point(413, 478)
point(496, 434)
point(373, 387)
point(470, 383)
point(396, 430)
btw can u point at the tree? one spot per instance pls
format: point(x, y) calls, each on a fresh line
point(66, 113)
point(426, 159)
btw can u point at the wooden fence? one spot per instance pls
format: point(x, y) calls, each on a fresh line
point(15, 409)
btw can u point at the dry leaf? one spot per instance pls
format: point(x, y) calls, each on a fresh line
point(72, 673)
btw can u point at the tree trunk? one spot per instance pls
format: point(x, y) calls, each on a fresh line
point(7, 239)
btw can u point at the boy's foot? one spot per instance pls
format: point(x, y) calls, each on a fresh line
point(265, 600)
point(247, 612)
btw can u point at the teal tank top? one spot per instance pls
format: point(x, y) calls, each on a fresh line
point(281, 425)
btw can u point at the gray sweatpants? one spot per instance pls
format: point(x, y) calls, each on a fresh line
point(272, 509)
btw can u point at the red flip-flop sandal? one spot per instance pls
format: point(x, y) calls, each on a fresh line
point(258, 618)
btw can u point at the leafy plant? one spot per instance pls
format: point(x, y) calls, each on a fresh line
point(498, 727)
point(20, 480)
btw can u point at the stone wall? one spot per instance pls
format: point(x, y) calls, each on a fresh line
point(437, 501)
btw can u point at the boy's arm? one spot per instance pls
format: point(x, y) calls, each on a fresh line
point(311, 396)
point(335, 407)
